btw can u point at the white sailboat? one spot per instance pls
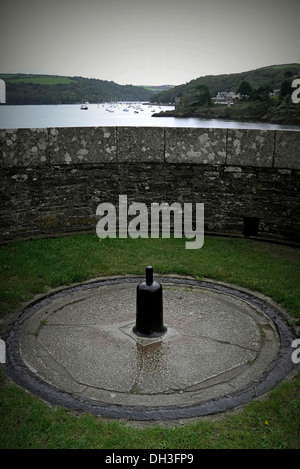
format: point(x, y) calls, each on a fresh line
point(84, 106)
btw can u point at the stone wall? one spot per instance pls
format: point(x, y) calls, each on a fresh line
point(52, 180)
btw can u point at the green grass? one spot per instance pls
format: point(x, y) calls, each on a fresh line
point(27, 422)
point(278, 67)
point(34, 267)
point(29, 268)
point(38, 80)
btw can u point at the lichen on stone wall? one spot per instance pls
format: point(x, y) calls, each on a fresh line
point(53, 179)
point(250, 148)
point(24, 147)
point(287, 150)
point(143, 144)
point(201, 146)
point(77, 145)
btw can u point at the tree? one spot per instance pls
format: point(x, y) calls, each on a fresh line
point(204, 97)
point(244, 89)
point(285, 89)
point(261, 93)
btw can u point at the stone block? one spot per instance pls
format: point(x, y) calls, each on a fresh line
point(249, 147)
point(24, 147)
point(287, 149)
point(74, 145)
point(195, 145)
point(141, 144)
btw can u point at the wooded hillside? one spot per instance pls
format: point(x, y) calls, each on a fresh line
point(273, 76)
point(48, 89)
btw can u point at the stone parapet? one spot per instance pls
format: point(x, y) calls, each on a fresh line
point(24, 148)
point(53, 179)
point(96, 145)
point(195, 145)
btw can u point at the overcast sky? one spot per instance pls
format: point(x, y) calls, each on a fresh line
point(144, 42)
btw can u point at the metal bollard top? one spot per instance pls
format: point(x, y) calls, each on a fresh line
point(149, 275)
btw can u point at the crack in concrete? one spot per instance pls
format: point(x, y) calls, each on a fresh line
point(54, 362)
point(223, 342)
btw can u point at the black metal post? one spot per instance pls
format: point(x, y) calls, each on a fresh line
point(149, 307)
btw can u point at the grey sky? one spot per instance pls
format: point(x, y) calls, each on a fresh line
point(147, 41)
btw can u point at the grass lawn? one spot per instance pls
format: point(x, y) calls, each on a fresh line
point(33, 267)
point(38, 80)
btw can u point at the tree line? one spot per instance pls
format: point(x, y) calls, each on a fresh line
point(80, 89)
point(272, 77)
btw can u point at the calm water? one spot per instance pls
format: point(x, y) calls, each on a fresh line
point(137, 114)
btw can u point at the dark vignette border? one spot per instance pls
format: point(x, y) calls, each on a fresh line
point(277, 371)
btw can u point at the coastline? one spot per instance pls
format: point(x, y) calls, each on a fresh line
point(285, 120)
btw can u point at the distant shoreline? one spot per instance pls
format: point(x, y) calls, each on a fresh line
point(284, 121)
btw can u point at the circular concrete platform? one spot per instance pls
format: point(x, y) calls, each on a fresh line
point(223, 347)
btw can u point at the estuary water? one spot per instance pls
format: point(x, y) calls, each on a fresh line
point(119, 114)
